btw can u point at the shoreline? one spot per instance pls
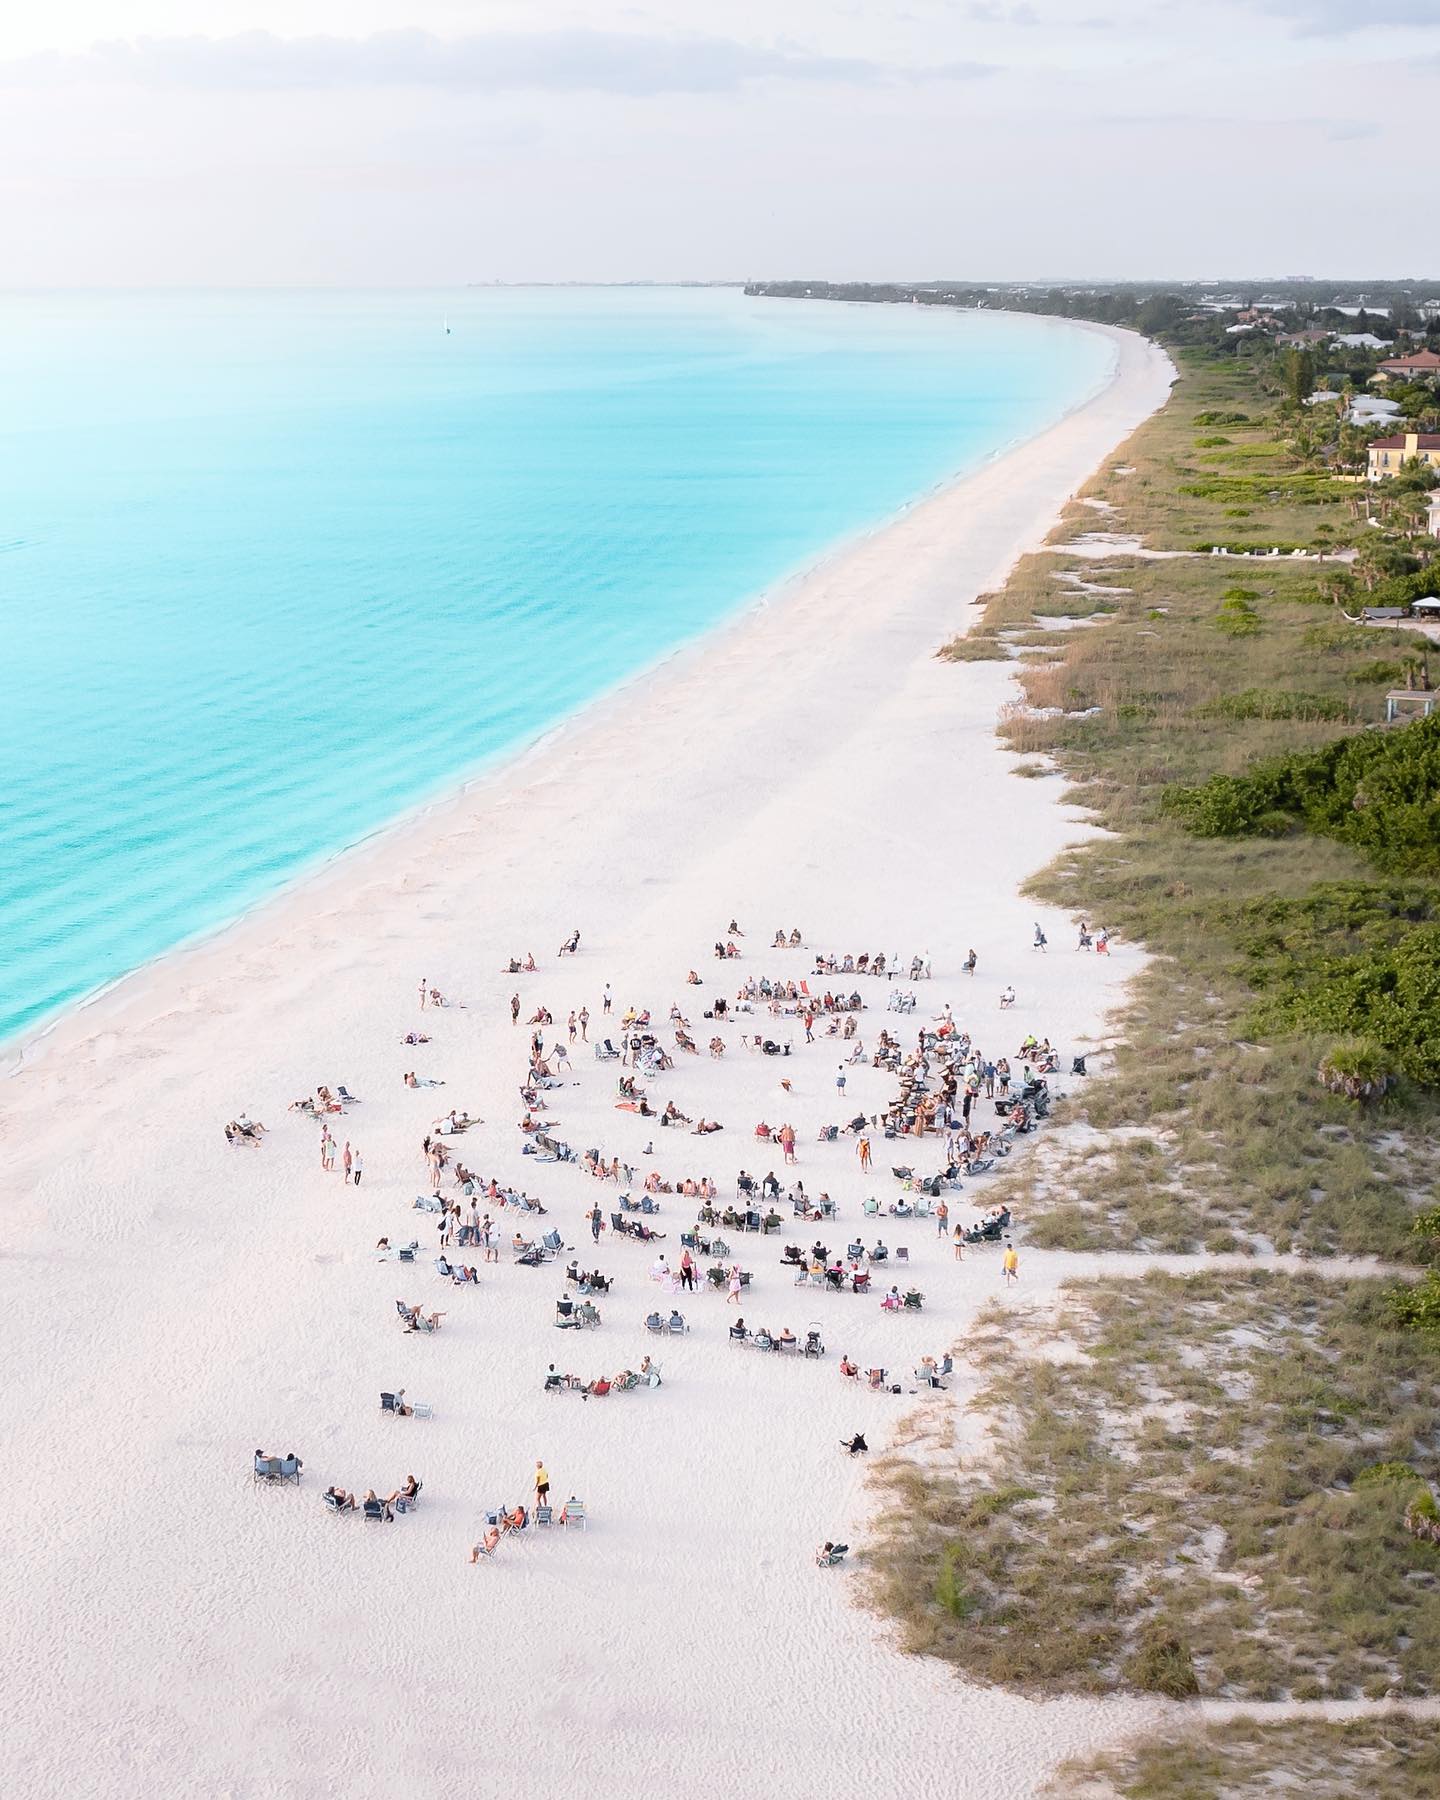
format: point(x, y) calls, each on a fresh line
point(54, 1032)
point(811, 763)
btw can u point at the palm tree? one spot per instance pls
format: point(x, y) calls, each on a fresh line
point(1357, 1070)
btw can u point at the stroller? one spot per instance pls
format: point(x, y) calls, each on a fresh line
point(812, 1345)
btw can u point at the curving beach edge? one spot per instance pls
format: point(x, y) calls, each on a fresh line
point(173, 1303)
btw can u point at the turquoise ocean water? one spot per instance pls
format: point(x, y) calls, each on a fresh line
point(276, 567)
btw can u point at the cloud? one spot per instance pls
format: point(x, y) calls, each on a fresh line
point(989, 12)
point(492, 62)
point(1340, 18)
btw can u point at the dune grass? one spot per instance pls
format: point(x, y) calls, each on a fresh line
point(1391, 1757)
point(1246, 1149)
point(1192, 1484)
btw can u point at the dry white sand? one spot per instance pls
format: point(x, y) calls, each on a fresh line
point(171, 1303)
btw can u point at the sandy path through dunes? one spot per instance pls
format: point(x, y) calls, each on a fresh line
point(171, 1304)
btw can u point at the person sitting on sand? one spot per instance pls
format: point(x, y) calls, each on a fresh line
point(340, 1500)
point(786, 1336)
point(693, 980)
point(855, 1445)
point(848, 1369)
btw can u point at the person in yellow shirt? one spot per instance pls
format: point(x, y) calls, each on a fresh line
point(542, 1484)
point(1010, 1263)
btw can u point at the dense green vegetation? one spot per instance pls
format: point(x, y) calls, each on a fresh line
point(1379, 792)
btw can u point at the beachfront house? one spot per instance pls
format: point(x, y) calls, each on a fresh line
point(1389, 455)
point(1420, 365)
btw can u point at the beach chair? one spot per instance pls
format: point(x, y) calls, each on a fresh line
point(408, 1503)
point(677, 1326)
point(267, 1468)
point(333, 1504)
point(406, 1253)
point(652, 1377)
point(623, 1383)
point(422, 1409)
point(553, 1242)
point(387, 1404)
point(573, 1513)
point(428, 1203)
point(346, 1097)
point(902, 1253)
point(543, 1517)
point(374, 1509)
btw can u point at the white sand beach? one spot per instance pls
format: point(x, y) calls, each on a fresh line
point(172, 1303)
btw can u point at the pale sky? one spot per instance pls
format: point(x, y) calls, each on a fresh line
point(431, 142)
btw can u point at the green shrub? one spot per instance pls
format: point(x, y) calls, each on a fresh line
point(1274, 703)
point(1378, 791)
point(1162, 1665)
point(1237, 617)
point(948, 1592)
point(1385, 1474)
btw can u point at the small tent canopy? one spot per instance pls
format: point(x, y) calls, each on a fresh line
point(1430, 604)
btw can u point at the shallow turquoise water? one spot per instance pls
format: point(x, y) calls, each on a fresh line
point(274, 567)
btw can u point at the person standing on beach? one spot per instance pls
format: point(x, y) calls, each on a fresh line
point(571, 1025)
point(809, 1028)
point(687, 1271)
point(347, 1161)
point(584, 1017)
point(327, 1146)
point(1040, 938)
point(942, 1218)
point(597, 1219)
point(970, 961)
point(605, 999)
point(358, 1167)
point(514, 1009)
point(1010, 1264)
point(862, 1150)
point(424, 990)
point(542, 1483)
point(840, 1081)
point(959, 1243)
point(735, 1285)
